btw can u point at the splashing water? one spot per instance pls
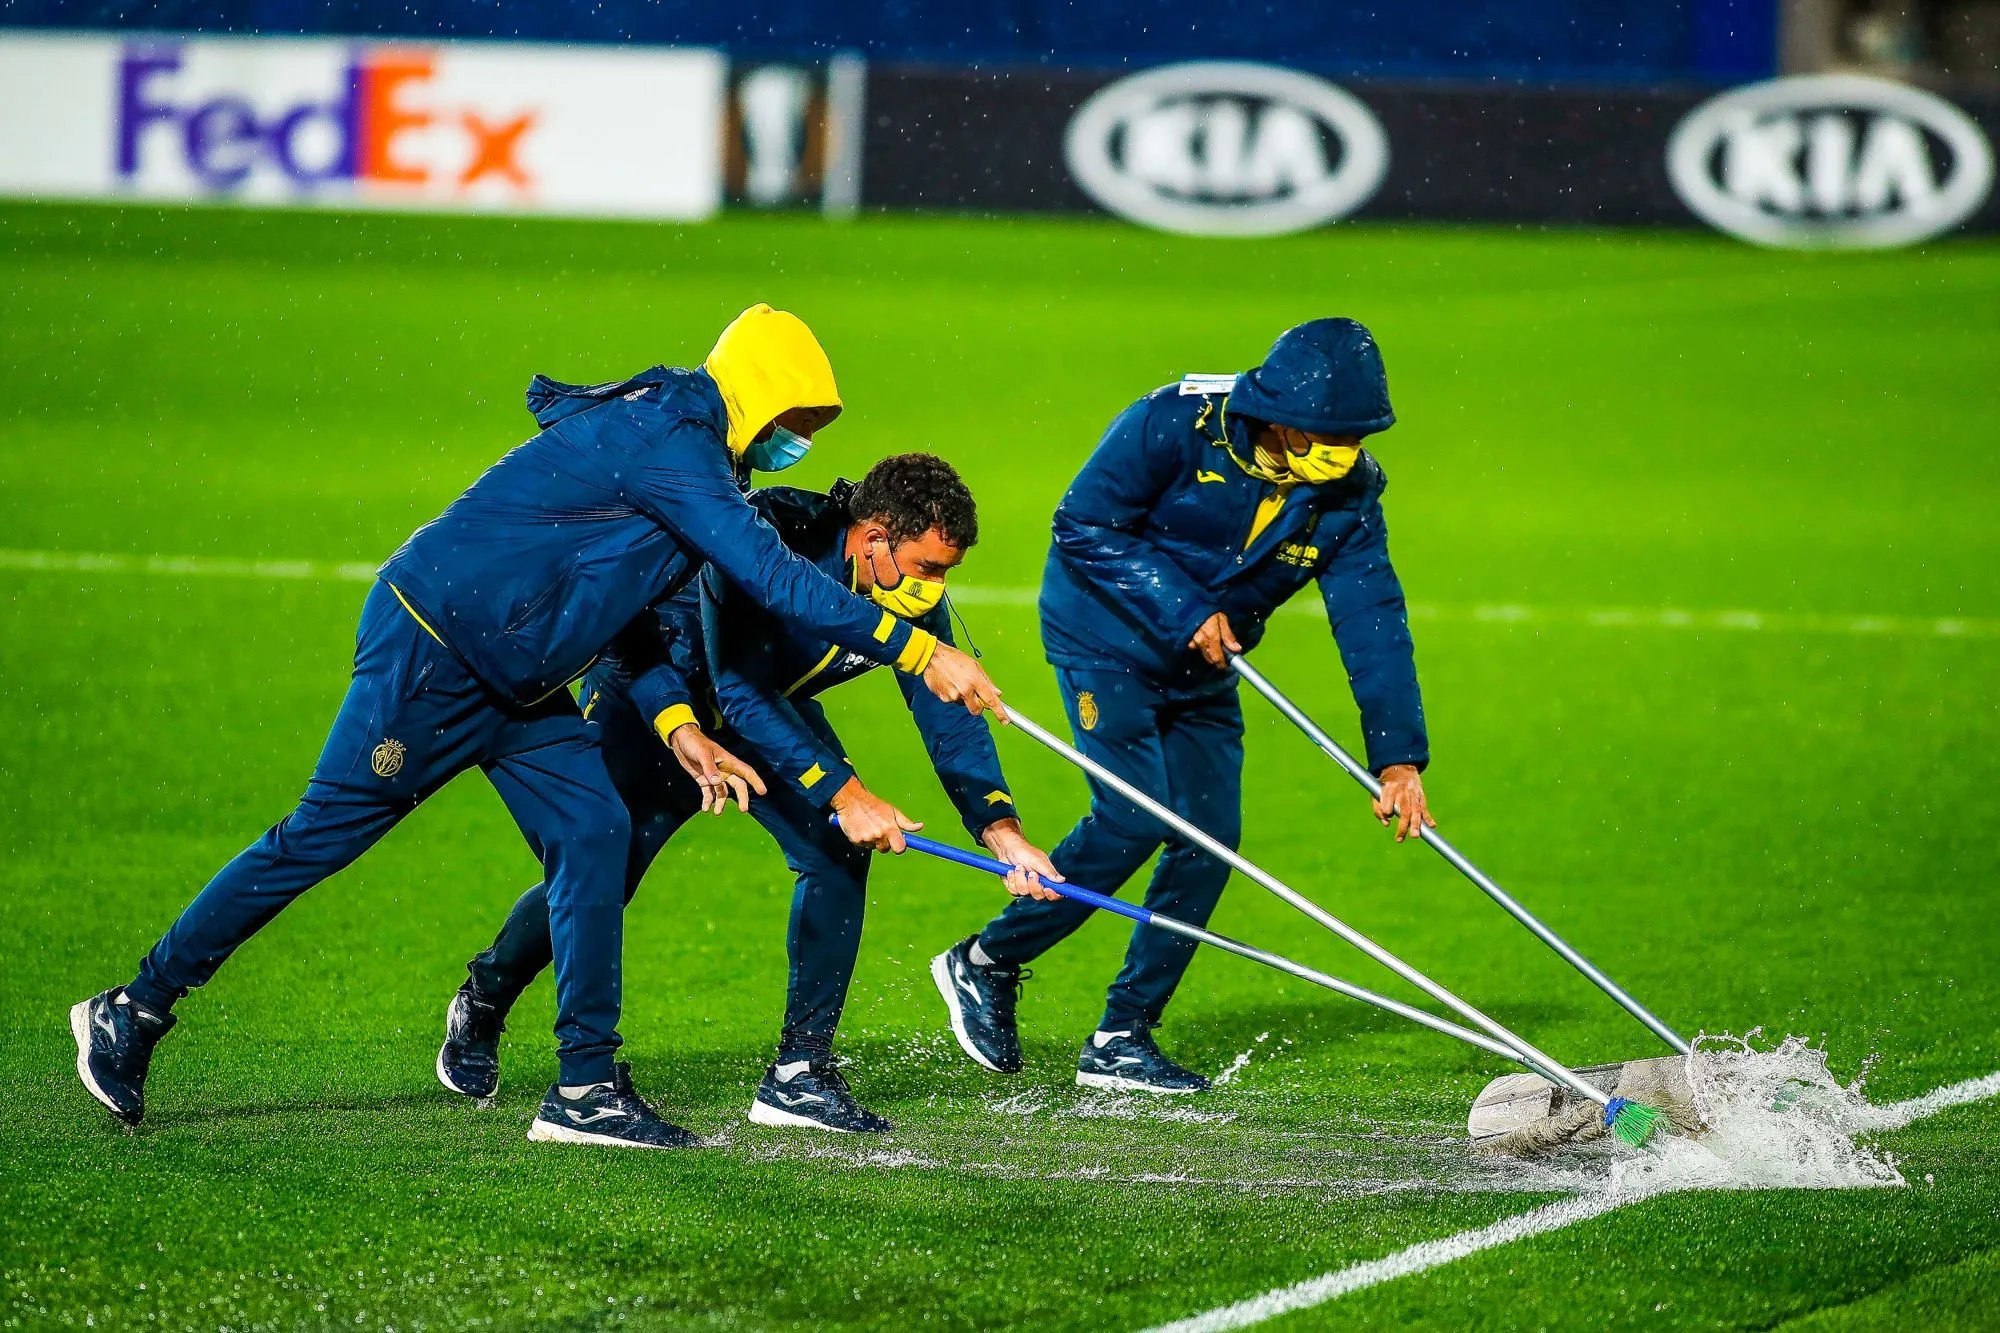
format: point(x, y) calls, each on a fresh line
point(1242, 1061)
point(1777, 1119)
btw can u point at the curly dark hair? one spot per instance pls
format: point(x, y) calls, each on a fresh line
point(912, 493)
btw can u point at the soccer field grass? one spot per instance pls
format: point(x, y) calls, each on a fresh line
point(1702, 547)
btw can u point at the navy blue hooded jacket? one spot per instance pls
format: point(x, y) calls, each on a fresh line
point(764, 677)
point(767, 676)
point(626, 492)
point(1154, 535)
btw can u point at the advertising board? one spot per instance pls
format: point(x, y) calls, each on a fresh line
point(600, 132)
point(1226, 148)
point(1832, 160)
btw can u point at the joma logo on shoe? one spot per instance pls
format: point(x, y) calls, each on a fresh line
point(601, 1113)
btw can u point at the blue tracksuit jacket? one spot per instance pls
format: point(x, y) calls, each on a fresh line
point(626, 492)
point(723, 655)
point(767, 676)
point(662, 654)
point(1153, 537)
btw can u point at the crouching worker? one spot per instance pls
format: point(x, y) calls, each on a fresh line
point(1207, 504)
point(467, 643)
point(894, 539)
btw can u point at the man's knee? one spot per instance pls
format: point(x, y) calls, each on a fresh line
point(1214, 805)
point(1226, 827)
point(835, 868)
point(1188, 883)
point(829, 907)
point(320, 833)
point(650, 834)
point(1119, 827)
point(594, 846)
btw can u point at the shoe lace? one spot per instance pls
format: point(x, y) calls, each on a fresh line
point(484, 1020)
point(626, 1096)
point(132, 1057)
point(132, 1053)
point(827, 1070)
point(1141, 1035)
point(1007, 985)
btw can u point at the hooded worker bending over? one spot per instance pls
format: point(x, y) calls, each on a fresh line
point(466, 647)
point(895, 538)
point(1207, 504)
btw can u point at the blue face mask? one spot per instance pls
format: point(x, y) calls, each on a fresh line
point(783, 449)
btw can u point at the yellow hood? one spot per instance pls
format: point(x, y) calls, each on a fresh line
point(767, 362)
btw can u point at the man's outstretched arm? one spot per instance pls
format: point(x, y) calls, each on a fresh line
point(646, 656)
point(703, 507)
point(1371, 625)
point(737, 637)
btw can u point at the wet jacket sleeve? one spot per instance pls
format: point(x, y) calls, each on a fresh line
point(738, 638)
point(1371, 624)
point(960, 747)
point(700, 504)
point(644, 655)
point(1100, 529)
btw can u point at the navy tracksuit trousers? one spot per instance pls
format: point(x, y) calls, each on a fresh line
point(1185, 749)
point(414, 718)
point(823, 938)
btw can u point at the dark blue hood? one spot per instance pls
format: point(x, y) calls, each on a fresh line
point(1324, 376)
point(552, 400)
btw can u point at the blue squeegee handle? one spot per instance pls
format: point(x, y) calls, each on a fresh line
point(1103, 902)
point(1147, 917)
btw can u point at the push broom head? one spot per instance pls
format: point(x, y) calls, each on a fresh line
point(1633, 1122)
point(1525, 1115)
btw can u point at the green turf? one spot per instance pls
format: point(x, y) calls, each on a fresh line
point(1779, 827)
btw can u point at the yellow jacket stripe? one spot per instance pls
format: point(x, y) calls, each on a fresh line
point(414, 616)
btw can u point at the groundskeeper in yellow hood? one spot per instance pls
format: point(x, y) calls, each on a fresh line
point(767, 363)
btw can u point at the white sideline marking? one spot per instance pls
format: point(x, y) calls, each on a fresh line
point(1610, 617)
point(1898, 1114)
point(1430, 1254)
point(198, 566)
point(1600, 617)
point(1549, 1217)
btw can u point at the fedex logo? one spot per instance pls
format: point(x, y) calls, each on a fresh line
point(319, 117)
point(576, 131)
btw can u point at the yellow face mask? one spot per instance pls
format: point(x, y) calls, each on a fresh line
point(1323, 462)
point(909, 597)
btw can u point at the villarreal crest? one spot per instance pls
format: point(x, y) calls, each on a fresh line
point(388, 758)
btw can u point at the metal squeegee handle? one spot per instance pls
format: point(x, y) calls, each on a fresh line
point(1147, 917)
point(1457, 860)
point(1542, 1063)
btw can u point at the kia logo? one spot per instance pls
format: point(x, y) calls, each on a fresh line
point(1226, 150)
point(1830, 160)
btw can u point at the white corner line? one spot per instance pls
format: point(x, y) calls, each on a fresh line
point(1549, 1217)
point(1499, 615)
